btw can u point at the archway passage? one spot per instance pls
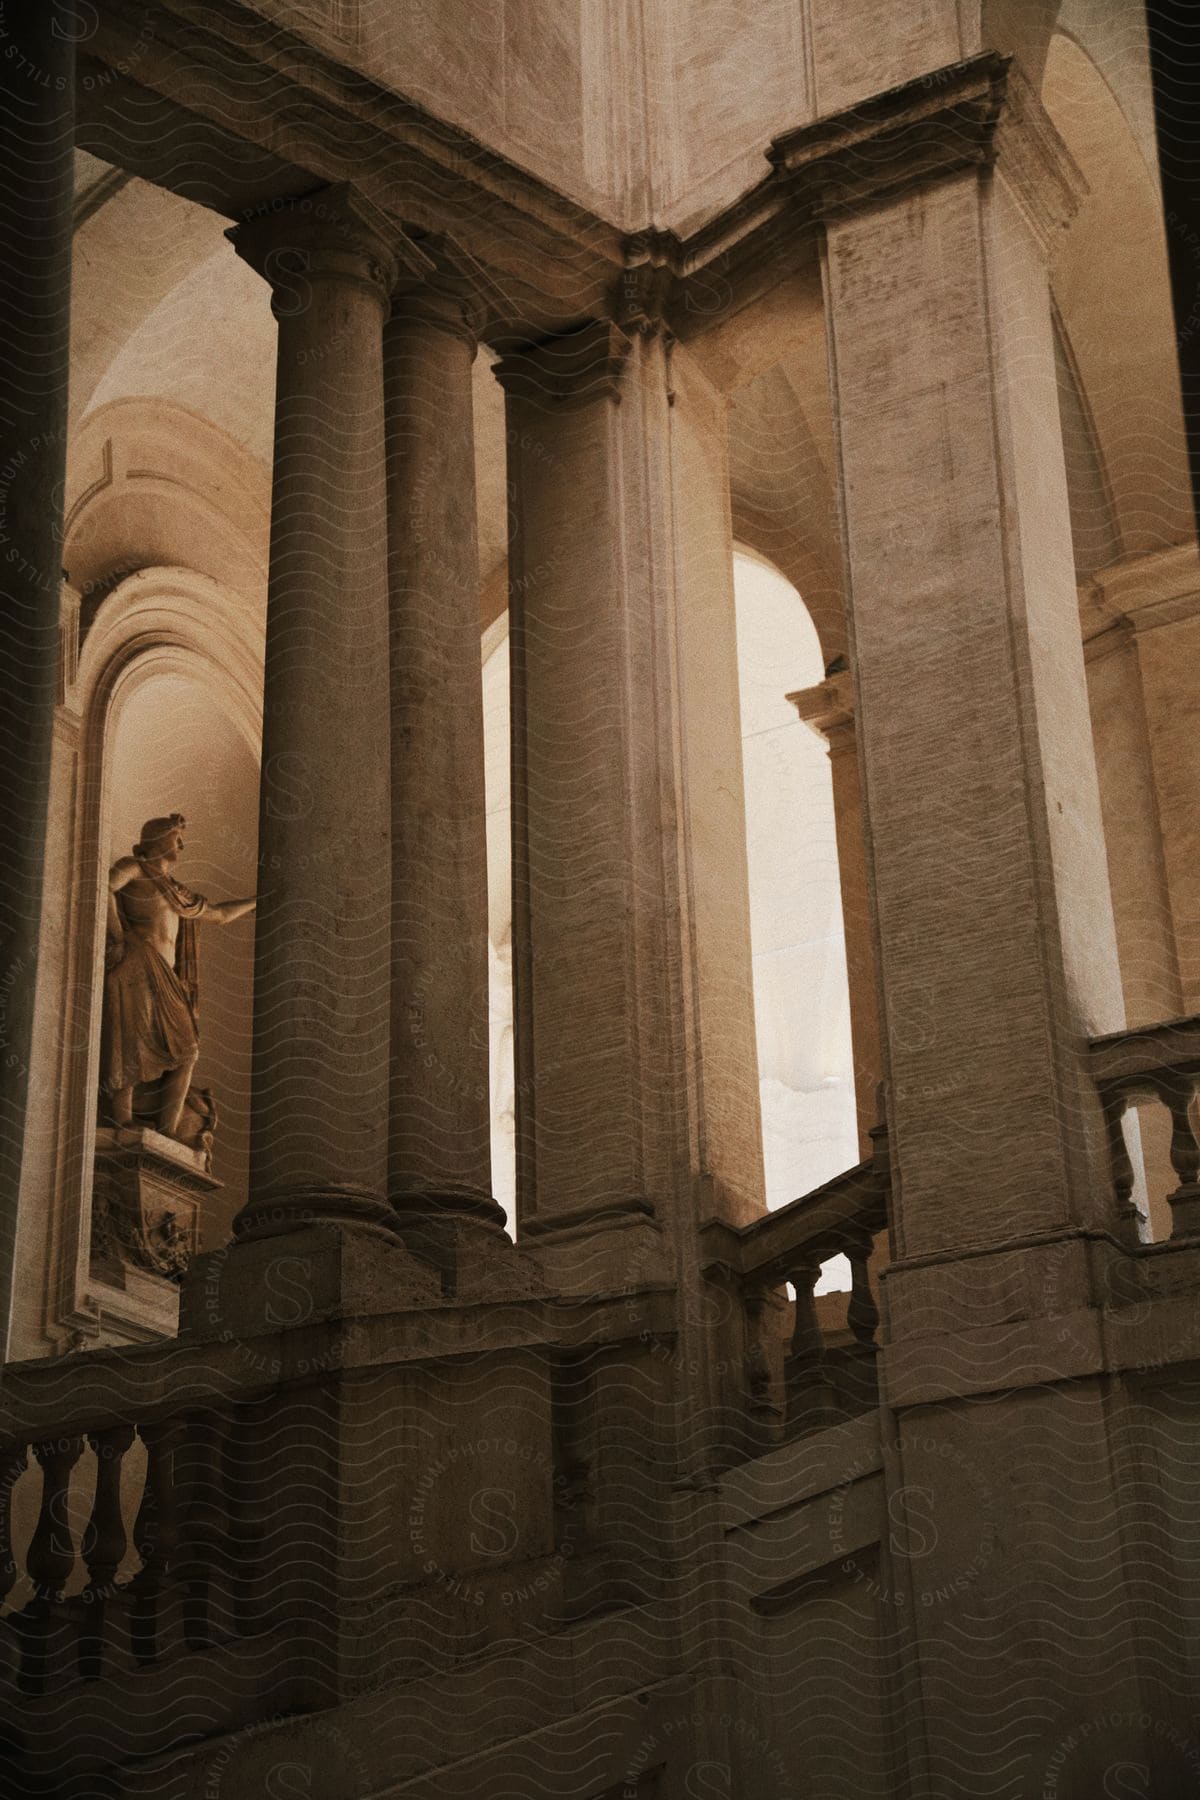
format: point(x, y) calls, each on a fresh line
point(801, 991)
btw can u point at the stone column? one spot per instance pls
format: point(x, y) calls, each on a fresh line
point(994, 923)
point(320, 1056)
point(636, 1067)
point(829, 709)
point(37, 113)
point(439, 1159)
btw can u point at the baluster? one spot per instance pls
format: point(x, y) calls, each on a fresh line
point(1176, 1089)
point(155, 1537)
point(50, 1561)
point(51, 1555)
point(862, 1314)
point(245, 1489)
point(104, 1542)
point(808, 1391)
point(12, 1466)
point(1129, 1219)
point(201, 1476)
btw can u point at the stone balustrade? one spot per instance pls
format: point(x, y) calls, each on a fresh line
point(291, 1512)
point(826, 1376)
point(103, 1484)
point(1156, 1062)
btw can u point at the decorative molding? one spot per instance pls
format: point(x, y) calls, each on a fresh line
point(1139, 593)
point(651, 273)
point(1033, 159)
point(548, 261)
point(68, 642)
point(102, 481)
point(933, 126)
point(537, 262)
point(572, 370)
point(972, 114)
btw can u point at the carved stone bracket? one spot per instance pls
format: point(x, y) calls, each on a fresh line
point(653, 265)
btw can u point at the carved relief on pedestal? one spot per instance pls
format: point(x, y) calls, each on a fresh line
point(146, 1201)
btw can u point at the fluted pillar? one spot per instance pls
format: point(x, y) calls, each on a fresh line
point(321, 982)
point(37, 112)
point(439, 1141)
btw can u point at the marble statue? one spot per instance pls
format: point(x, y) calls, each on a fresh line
point(150, 1025)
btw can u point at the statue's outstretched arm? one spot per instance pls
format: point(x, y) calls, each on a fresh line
point(226, 911)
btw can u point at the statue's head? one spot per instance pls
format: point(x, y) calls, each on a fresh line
point(161, 839)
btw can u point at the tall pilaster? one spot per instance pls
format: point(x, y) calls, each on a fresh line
point(994, 922)
point(37, 115)
point(439, 1157)
point(321, 981)
point(636, 1066)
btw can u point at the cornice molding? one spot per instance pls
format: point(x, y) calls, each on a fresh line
point(979, 113)
point(1139, 593)
point(544, 262)
point(538, 264)
point(828, 708)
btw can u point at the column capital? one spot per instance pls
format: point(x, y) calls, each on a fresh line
point(654, 260)
point(333, 234)
point(828, 709)
point(440, 305)
point(974, 114)
point(568, 371)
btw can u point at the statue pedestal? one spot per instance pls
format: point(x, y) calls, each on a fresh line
point(146, 1202)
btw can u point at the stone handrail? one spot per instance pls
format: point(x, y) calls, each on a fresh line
point(149, 1498)
point(1160, 1062)
point(844, 1216)
point(830, 1219)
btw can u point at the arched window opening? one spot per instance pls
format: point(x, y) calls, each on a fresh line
point(801, 991)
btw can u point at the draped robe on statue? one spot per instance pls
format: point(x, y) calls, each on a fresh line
point(150, 1021)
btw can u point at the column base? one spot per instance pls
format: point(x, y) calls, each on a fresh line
point(301, 1208)
point(278, 1283)
point(462, 1238)
point(610, 1248)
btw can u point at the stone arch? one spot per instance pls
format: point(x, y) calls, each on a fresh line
point(157, 624)
point(1112, 294)
point(782, 497)
point(802, 1014)
point(152, 483)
